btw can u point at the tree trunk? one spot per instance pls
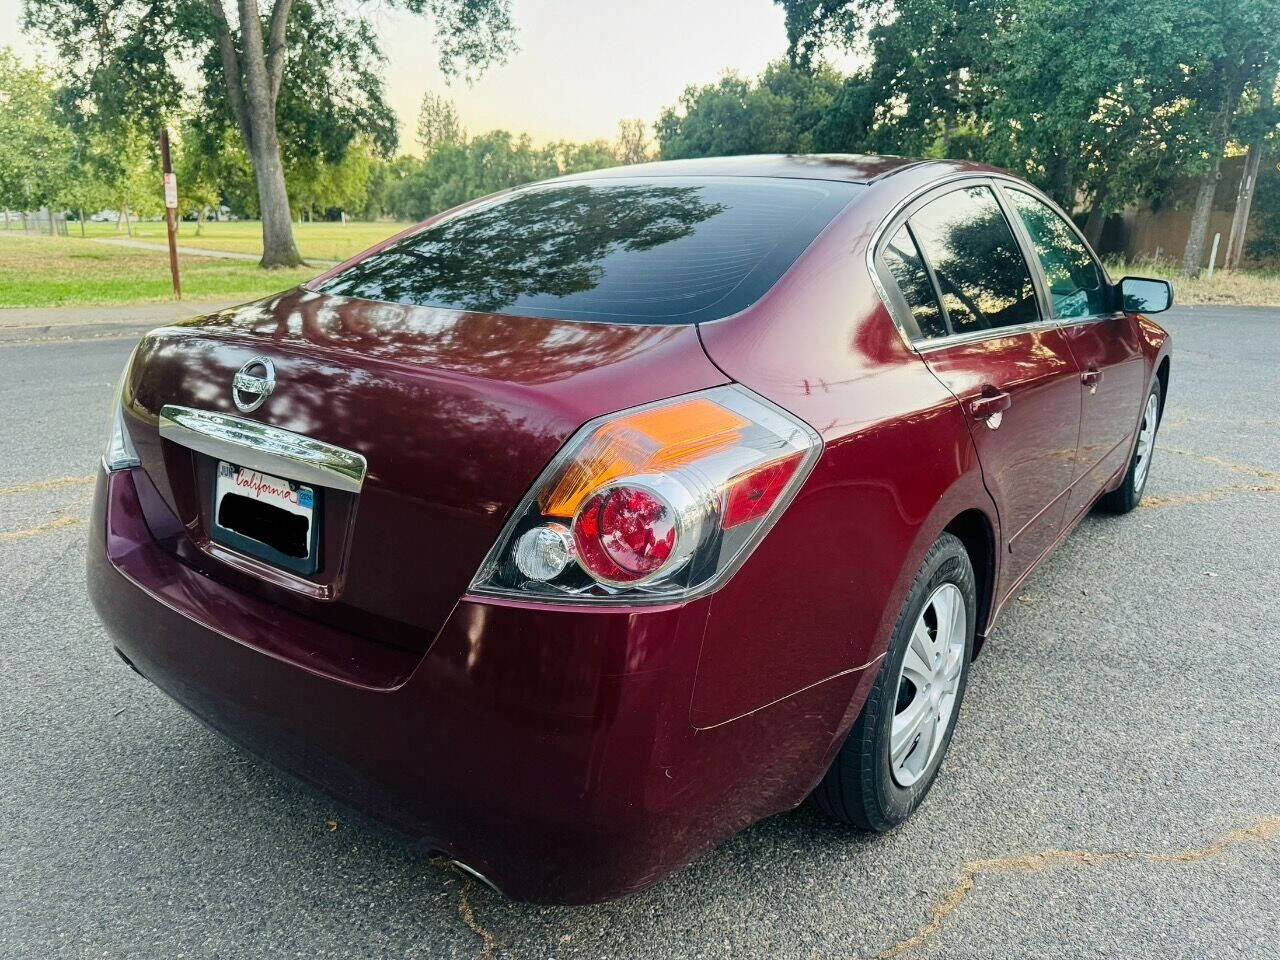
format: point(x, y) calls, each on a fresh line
point(1244, 201)
point(253, 70)
point(1097, 217)
point(1061, 188)
point(199, 219)
point(1248, 182)
point(124, 215)
point(1193, 256)
point(6, 219)
point(82, 233)
point(278, 247)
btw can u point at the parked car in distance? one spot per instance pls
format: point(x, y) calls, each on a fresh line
point(581, 526)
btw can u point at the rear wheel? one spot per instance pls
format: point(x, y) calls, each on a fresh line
point(894, 751)
point(1129, 494)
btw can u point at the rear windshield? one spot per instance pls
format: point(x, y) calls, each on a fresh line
point(625, 250)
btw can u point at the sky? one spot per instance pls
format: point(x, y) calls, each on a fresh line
point(582, 64)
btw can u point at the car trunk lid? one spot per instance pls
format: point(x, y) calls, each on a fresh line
point(454, 412)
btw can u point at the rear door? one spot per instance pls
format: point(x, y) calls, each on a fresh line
point(976, 319)
point(1105, 343)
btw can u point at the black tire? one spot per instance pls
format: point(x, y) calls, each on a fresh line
point(1129, 494)
point(860, 788)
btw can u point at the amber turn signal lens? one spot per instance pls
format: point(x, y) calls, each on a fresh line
point(650, 441)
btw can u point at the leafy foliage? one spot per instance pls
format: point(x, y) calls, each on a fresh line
point(778, 113)
point(1103, 101)
point(35, 149)
point(456, 172)
point(438, 123)
point(299, 85)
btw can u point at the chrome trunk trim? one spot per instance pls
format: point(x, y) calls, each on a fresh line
point(248, 443)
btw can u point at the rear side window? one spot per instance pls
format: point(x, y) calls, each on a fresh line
point(1076, 285)
point(982, 276)
point(902, 257)
point(630, 250)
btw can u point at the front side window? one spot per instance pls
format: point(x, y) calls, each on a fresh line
point(902, 257)
point(1077, 287)
point(983, 278)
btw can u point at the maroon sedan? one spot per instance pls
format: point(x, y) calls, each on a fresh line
point(583, 525)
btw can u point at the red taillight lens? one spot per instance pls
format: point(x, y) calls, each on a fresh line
point(624, 533)
point(753, 495)
point(664, 501)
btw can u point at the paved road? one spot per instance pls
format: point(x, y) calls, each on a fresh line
point(31, 324)
point(1124, 713)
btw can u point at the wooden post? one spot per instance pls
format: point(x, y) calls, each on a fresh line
point(170, 210)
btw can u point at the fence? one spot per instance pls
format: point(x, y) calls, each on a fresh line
point(40, 222)
point(1161, 230)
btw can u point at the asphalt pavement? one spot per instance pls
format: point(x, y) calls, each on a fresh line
point(1112, 789)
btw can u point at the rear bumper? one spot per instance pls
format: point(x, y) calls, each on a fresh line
point(549, 750)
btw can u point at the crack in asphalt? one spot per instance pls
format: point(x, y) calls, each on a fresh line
point(468, 915)
point(1207, 496)
point(65, 520)
point(488, 940)
point(1219, 462)
point(1271, 482)
point(1264, 830)
point(54, 484)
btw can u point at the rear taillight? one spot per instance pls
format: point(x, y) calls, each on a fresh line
point(120, 454)
point(659, 503)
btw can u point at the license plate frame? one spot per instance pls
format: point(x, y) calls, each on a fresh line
point(274, 508)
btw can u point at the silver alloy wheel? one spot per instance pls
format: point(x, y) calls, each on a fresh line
point(927, 684)
point(1146, 440)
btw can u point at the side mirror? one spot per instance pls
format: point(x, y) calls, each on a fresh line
point(1142, 295)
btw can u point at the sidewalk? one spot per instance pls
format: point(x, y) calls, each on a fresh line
point(80, 322)
point(195, 251)
point(185, 251)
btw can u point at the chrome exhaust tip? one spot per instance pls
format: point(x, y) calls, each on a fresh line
point(473, 872)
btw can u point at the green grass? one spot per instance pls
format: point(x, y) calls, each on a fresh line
point(316, 241)
point(1251, 288)
point(40, 272)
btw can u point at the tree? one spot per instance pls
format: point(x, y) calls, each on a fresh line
point(385, 178)
point(35, 149)
point(493, 161)
point(329, 188)
point(775, 114)
point(1263, 121)
point(438, 124)
point(1265, 243)
point(1240, 49)
point(1099, 113)
point(86, 189)
point(200, 173)
point(931, 61)
point(133, 178)
point(127, 58)
point(633, 141)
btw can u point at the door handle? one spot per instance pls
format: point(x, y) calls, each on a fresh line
point(1091, 378)
point(991, 403)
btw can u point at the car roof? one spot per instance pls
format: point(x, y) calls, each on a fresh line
point(845, 167)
